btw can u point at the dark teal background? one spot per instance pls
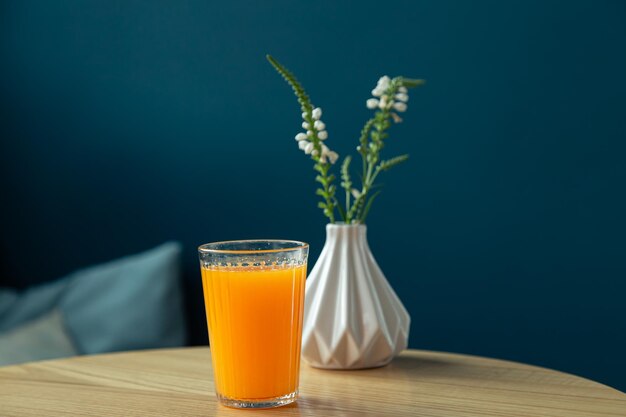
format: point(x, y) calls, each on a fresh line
point(126, 123)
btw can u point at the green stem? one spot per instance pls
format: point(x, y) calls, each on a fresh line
point(370, 151)
point(328, 190)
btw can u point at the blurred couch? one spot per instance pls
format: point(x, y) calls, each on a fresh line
point(135, 302)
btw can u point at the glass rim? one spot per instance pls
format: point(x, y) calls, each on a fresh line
point(207, 248)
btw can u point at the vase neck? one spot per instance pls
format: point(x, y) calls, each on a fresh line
point(346, 231)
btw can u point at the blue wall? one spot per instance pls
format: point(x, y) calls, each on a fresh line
point(125, 123)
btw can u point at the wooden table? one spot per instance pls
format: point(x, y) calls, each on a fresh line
point(178, 382)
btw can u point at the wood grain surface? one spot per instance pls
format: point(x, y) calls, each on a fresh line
point(178, 382)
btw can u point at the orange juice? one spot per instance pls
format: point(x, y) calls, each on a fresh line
point(254, 315)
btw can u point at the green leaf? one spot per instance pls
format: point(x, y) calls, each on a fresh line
point(342, 212)
point(321, 205)
point(320, 192)
point(369, 205)
point(412, 82)
point(390, 163)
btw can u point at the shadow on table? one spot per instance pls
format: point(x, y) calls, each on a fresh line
point(331, 392)
point(295, 409)
point(423, 366)
point(435, 367)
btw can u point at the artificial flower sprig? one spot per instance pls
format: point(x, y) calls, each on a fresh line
point(390, 98)
point(311, 142)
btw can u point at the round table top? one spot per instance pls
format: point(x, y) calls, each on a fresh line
point(179, 382)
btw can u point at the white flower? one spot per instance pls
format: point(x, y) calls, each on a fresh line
point(355, 193)
point(371, 103)
point(383, 103)
point(403, 90)
point(383, 82)
point(309, 133)
point(402, 97)
point(304, 115)
point(381, 86)
point(317, 113)
point(319, 125)
point(329, 155)
point(305, 125)
point(303, 144)
point(301, 136)
point(399, 106)
point(377, 92)
point(309, 148)
point(396, 118)
point(314, 152)
point(323, 135)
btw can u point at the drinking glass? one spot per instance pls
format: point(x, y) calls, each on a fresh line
point(254, 299)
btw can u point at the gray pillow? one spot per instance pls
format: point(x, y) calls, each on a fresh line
point(42, 338)
point(19, 308)
point(131, 303)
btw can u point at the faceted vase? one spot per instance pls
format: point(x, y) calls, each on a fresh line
point(352, 317)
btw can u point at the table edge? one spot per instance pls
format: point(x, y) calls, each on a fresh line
point(407, 352)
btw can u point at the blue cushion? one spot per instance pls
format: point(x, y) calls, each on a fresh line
point(131, 303)
point(19, 308)
point(42, 338)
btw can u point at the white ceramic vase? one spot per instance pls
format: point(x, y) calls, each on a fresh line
point(352, 317)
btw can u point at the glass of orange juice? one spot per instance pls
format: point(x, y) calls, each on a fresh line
point(254, 299)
